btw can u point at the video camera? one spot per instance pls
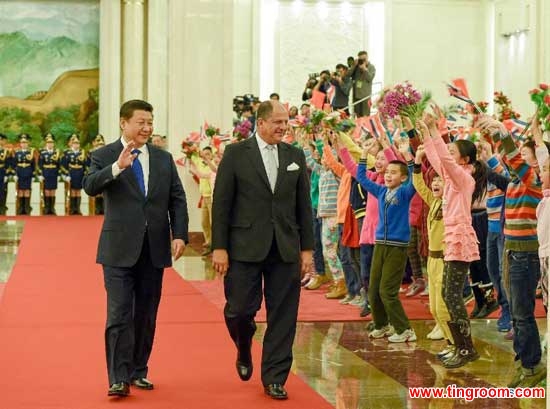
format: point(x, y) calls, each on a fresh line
point(242, 102)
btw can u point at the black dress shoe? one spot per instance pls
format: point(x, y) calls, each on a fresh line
point(119, 389)
point(276, 391)
point(142, 383)
point(244, 369)
point(244, 363)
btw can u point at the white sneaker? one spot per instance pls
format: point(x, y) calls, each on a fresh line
point(346, 299)
point(406, 336)
point(358, 301)
point(385, 331)
point(435, 334)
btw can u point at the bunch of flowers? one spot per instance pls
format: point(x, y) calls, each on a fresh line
point(404, 99)
point(331, 120)
point(317, 117)
point(299, 121)
point(210, 130)
point(190, 145)
point(505, 110)
point(242, 130)
point(541, 97)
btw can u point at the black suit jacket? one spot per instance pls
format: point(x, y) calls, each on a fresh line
point(246, 215)
point(129, 214)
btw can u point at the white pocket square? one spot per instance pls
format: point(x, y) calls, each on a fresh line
point(292, 166)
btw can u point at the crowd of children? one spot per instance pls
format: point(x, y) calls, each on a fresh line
point(479, 204)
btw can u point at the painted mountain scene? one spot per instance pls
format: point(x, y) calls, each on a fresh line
point(49, 69)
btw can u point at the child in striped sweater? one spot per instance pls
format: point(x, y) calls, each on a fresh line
point(495, 235)
point(328, 189)
point(522, 265)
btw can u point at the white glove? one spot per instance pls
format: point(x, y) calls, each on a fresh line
point(67, 178)
point(15, 178)
point(41, 178)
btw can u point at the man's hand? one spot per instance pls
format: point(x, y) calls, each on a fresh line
point(306, 261)
point(126, 157)
point(178, 246)
point(220, 261)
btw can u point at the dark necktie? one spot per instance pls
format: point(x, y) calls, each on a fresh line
point(138, 171)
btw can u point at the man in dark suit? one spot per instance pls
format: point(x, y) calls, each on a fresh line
point(262, 226)
point(145, 217)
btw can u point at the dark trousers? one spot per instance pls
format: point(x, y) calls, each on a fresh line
point(454, 274)
point(495, 254)
point(362, 108)
point(481, 281)
point(3, 196)
point(351, 275)
point(524, 274)
point(388, 264)
point(366, 261)
point(413, 253)
point(281, 289)
point(133, 296)
point(318, 259)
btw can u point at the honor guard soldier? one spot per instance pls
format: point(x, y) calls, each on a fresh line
point(49, 163)
point(24, 167)
point(97, 201)
point(75, 164)
point(5, 155)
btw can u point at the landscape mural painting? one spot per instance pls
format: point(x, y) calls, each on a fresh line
point(49, 69)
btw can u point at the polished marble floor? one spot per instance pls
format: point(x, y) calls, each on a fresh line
point(338, 360)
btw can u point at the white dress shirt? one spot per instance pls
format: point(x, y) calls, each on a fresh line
point(262, 145)
point(143, 158)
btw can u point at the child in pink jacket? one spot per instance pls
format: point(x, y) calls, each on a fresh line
point(460, 170)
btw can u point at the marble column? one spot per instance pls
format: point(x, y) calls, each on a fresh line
point(109, 68)
point(157, 62)
point(133, 49)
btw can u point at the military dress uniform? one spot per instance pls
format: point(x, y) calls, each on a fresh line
point(75, 163)
point(49, 164)
point(5, 155)
point(97, 200)
point(24, 168)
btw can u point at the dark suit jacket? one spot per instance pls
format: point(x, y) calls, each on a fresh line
point(246, 215)
point(129, 214)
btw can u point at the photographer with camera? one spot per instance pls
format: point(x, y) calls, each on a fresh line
point(362, 73)
point(342, 87)
point(310, 84)
point(316, 82)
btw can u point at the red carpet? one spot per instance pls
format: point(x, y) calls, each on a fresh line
point(51, 345)
point(315, 307)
